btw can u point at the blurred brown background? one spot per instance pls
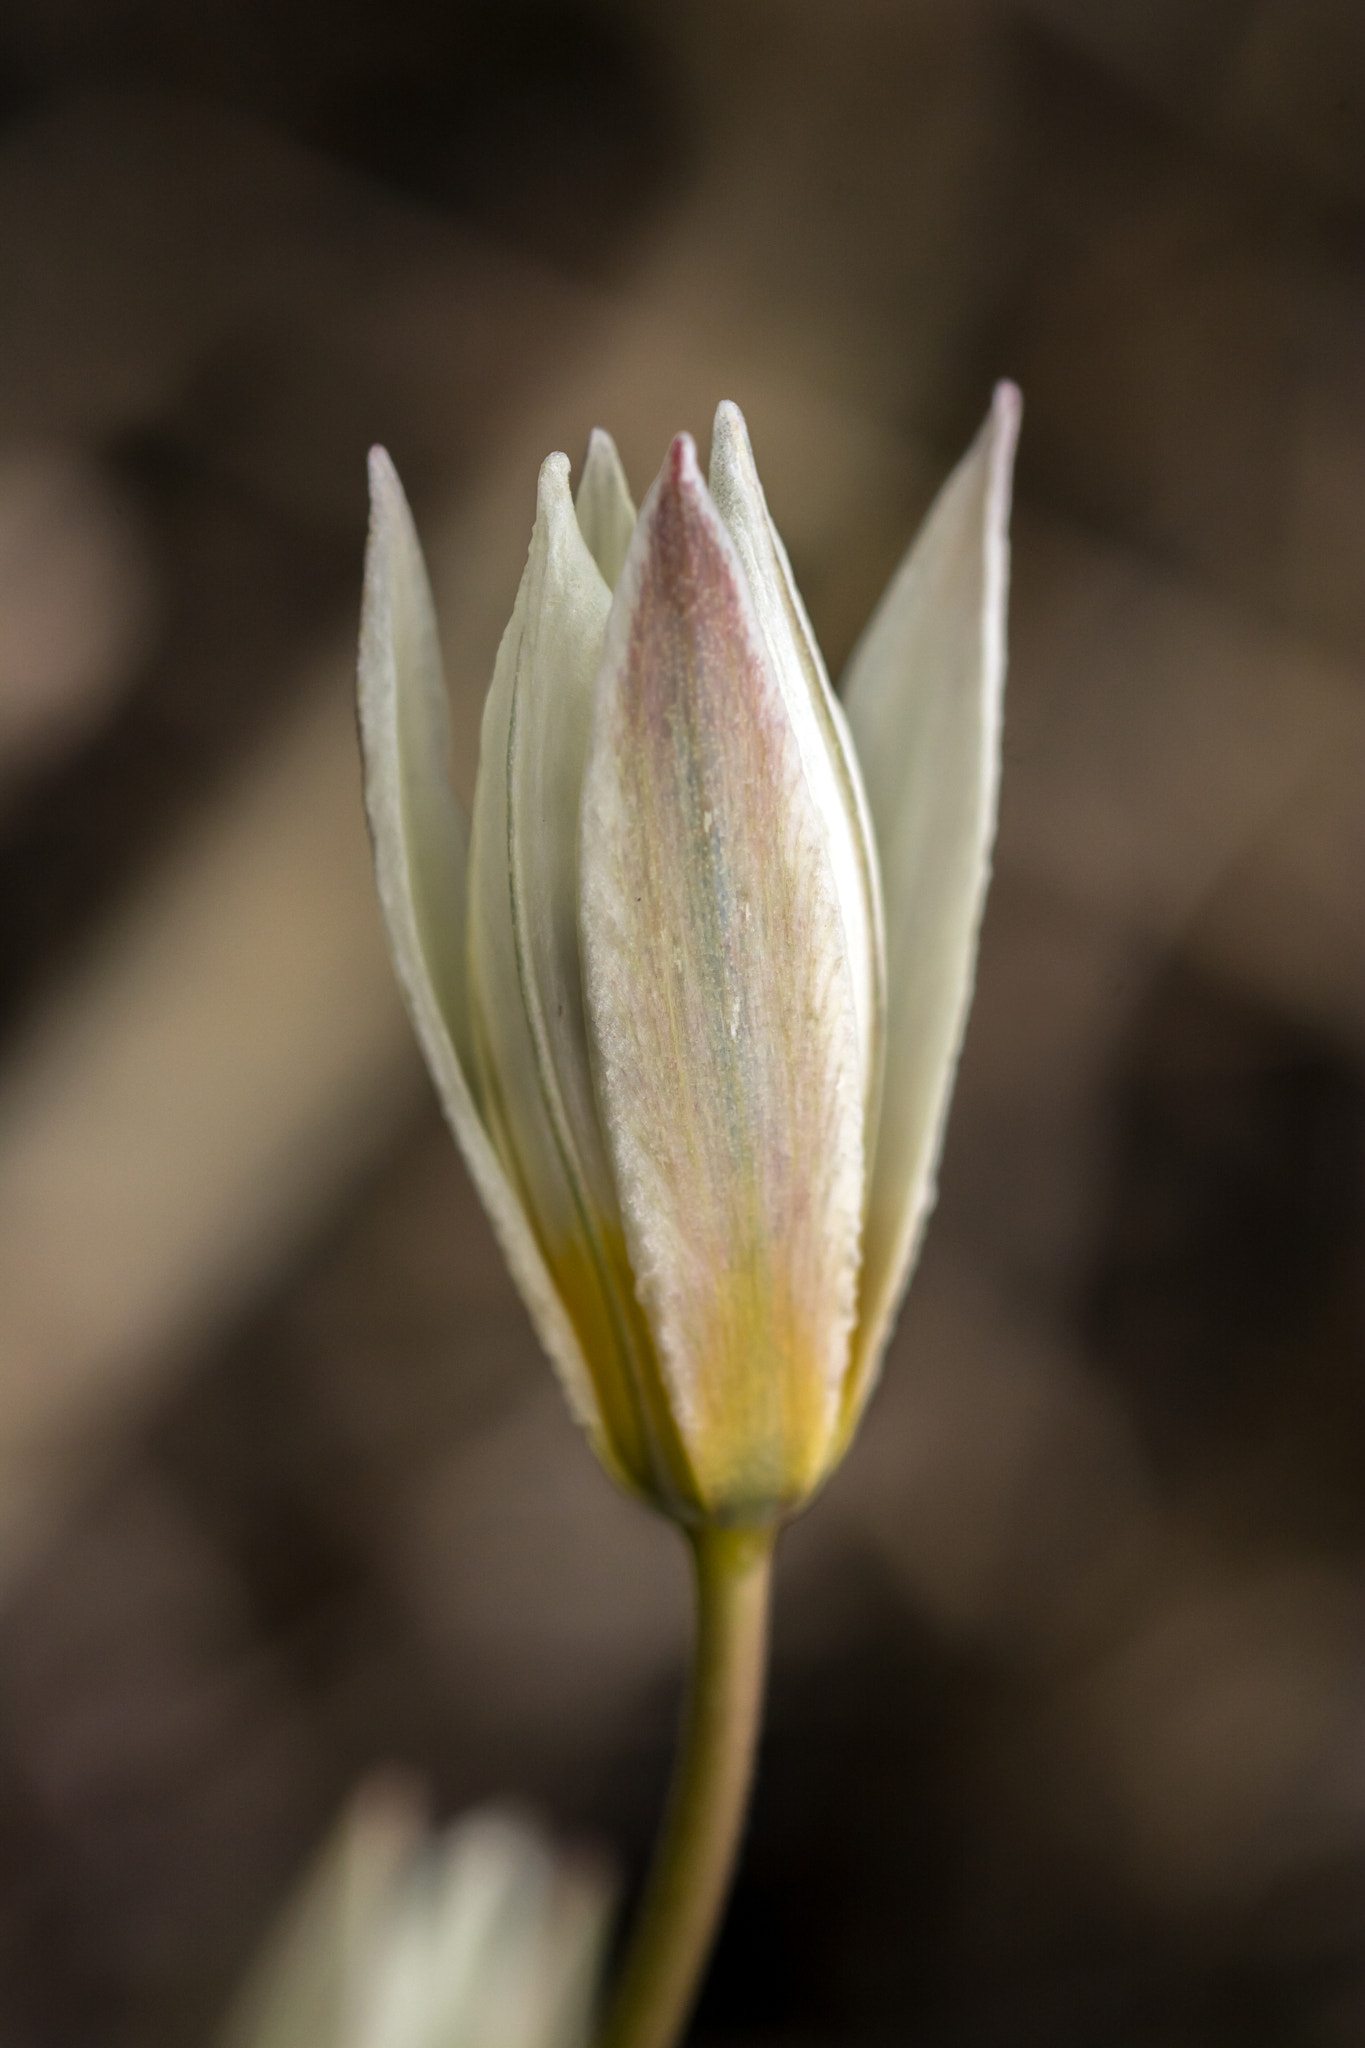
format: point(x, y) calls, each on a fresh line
point(1068, 1732)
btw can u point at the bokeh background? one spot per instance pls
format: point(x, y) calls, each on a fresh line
point(1067, 1741)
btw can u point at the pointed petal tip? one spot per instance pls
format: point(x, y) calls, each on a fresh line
point(729, 420)
point(553, 480)
point(731, 447)
point(554, 497)
point(680, 467)
point(605, 508)
point(384, 482)
point(1007, 404)
point(1002, 432)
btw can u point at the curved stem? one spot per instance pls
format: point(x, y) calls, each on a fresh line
point(695, 1857)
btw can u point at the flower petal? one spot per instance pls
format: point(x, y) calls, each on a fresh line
point(399, 1937)
point(529, 1036)
point(606, 510)
point(420, 859)
point(818, 722)
point(721, 1011)
point(923, 697)
point(320, 1958)
point(490, 1937)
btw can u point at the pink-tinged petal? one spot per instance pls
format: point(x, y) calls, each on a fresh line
point(420, 859)
point(923, 696)
point(605, 508)
point(721, 1011)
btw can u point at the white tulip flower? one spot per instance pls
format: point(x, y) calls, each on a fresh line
point(480, 1936)
point(693, 983)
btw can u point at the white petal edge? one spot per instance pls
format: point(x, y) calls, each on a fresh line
point(827, 751)
point(420, 855)
point(606, 510)
point(923, 697)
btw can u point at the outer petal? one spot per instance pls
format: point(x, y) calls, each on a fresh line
point(606, 510)
point(923, 697)
point(420, 865)
point(721, 1009)
point(818, 722)
point(530, 1041)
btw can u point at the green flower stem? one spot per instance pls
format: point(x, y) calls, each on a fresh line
point(696, 1852)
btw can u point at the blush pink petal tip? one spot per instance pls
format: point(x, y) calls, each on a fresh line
point(681, 467)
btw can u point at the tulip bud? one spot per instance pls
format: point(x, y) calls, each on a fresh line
point(693, 985)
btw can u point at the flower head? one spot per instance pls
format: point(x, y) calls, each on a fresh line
point(693, 984)
point(481, 1934)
